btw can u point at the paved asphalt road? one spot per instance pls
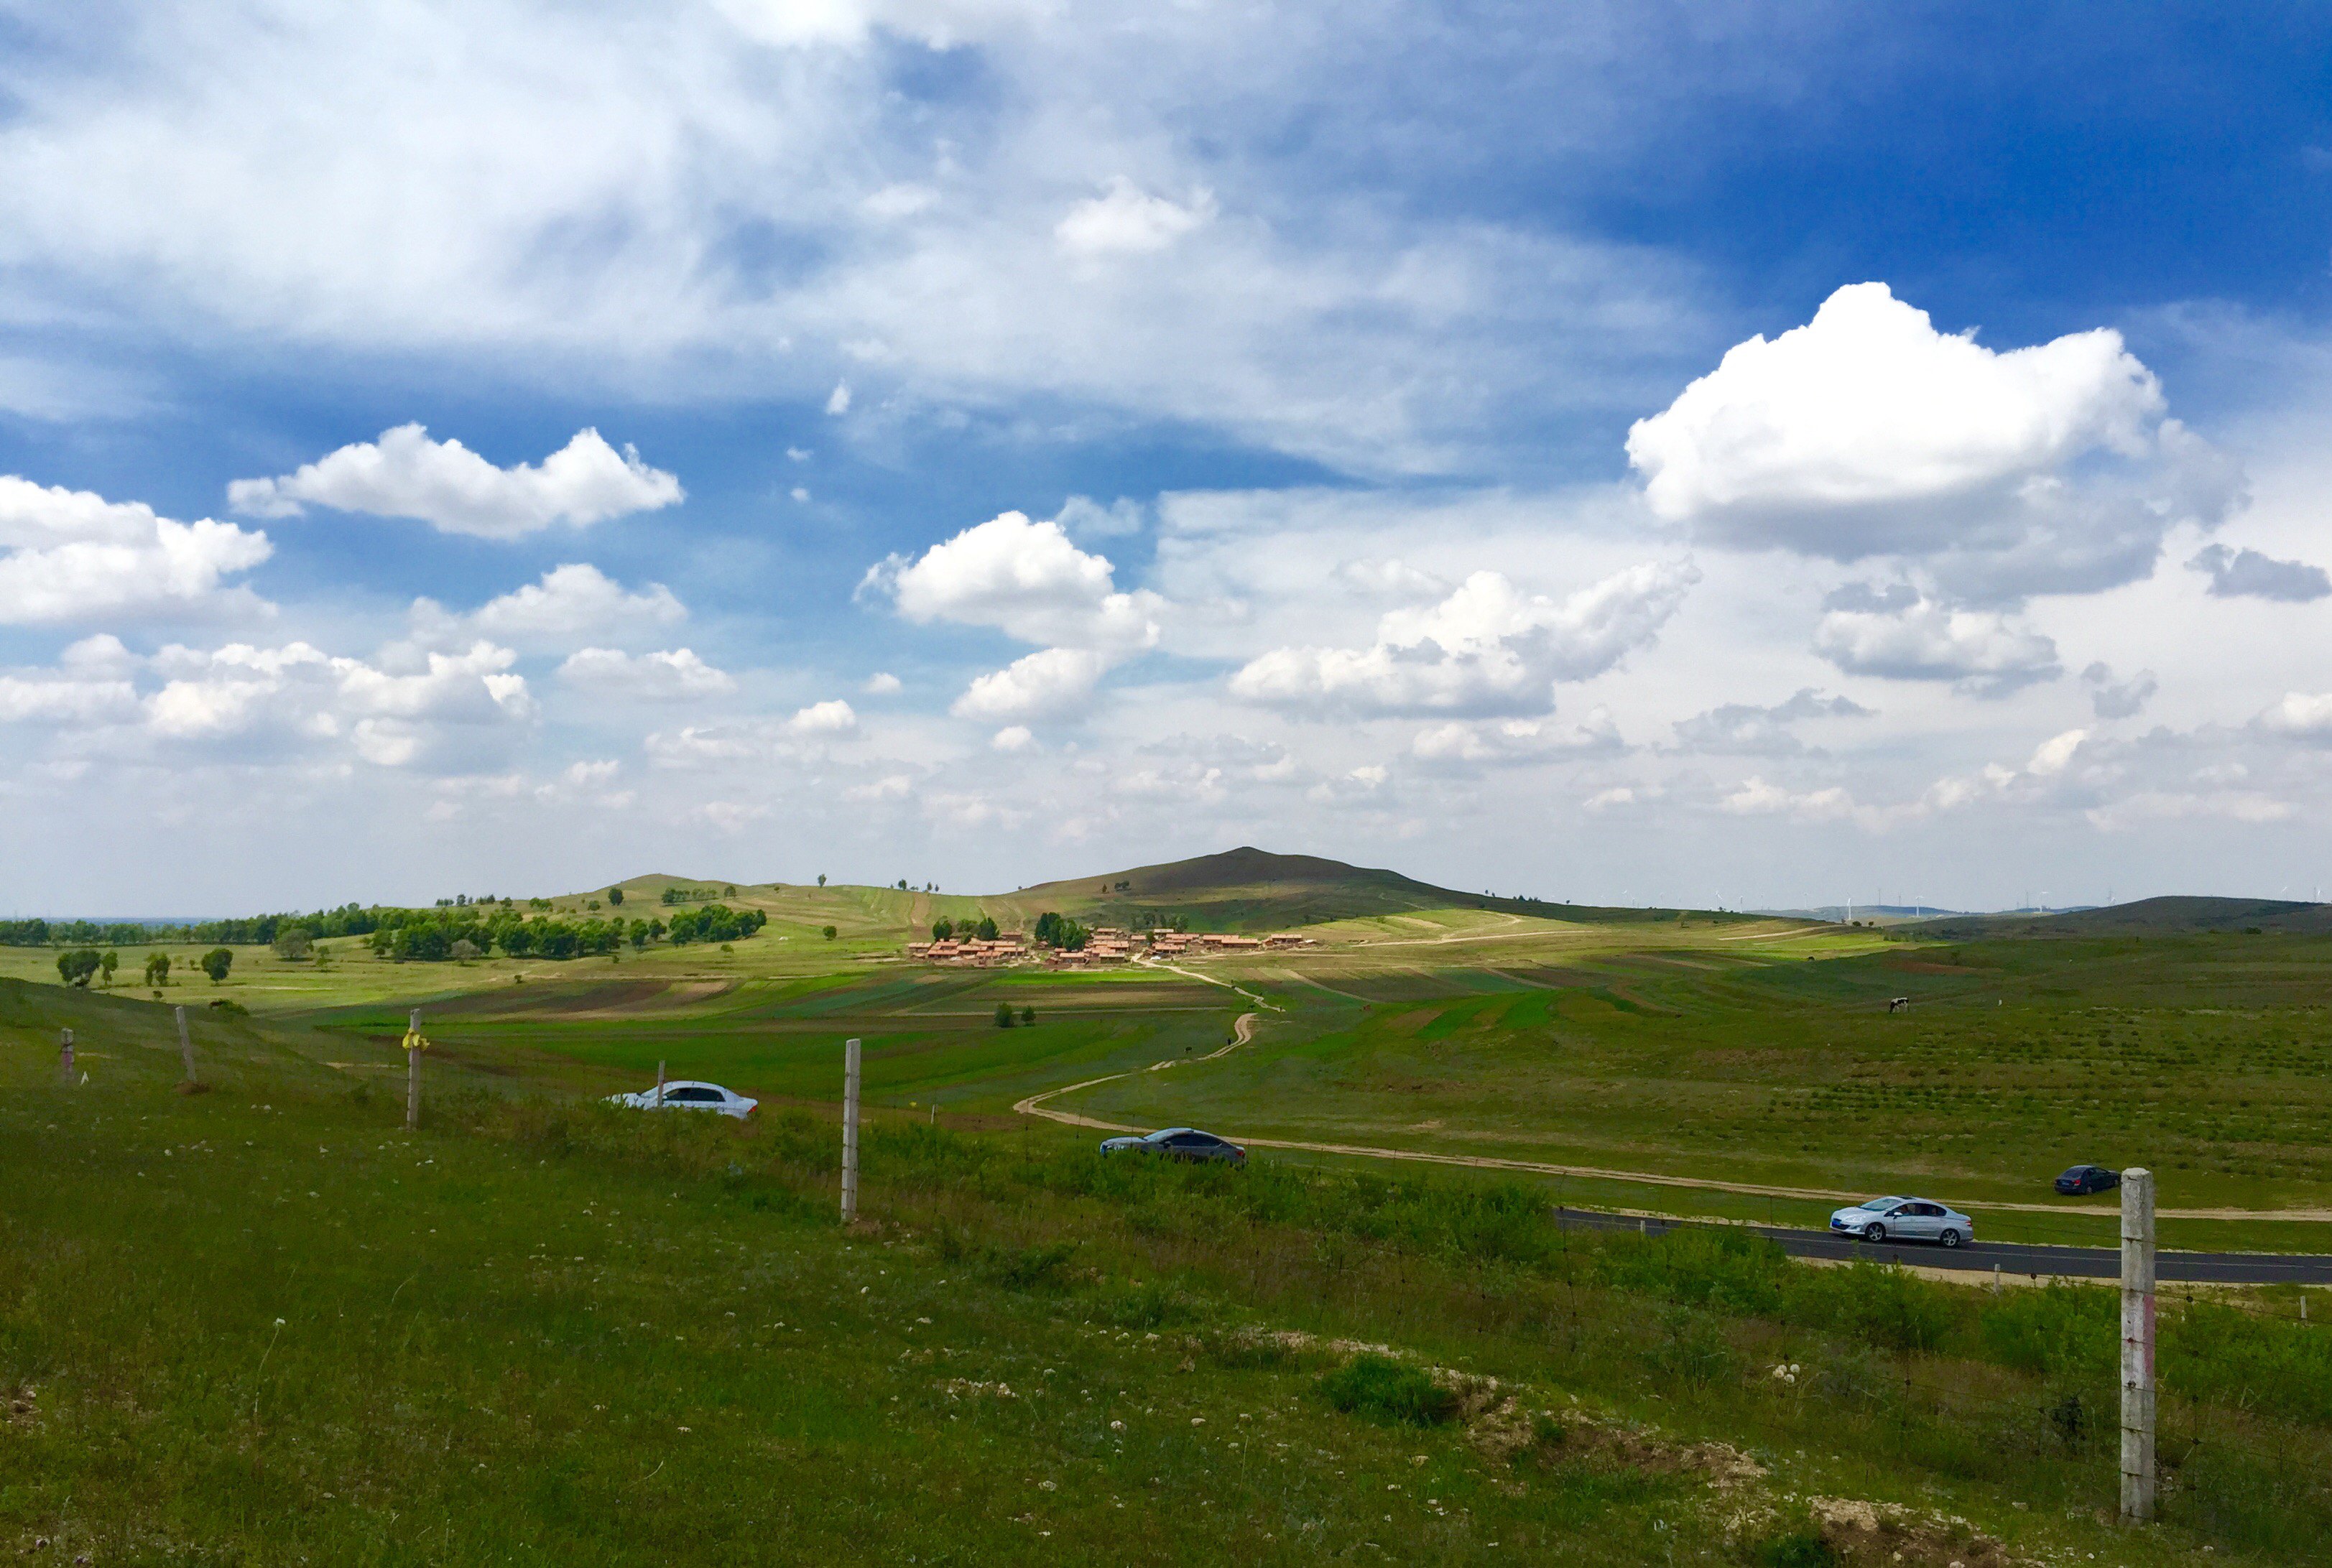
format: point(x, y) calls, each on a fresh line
point(2010, 1257)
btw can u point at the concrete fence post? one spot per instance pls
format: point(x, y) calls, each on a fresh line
point(659, 1099)
point(849, 1131)
point(185, 1044)
point(64, 1056)
point(2137, 1346)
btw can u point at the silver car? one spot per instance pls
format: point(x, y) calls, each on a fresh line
point(689, 1095)
point(1904, 1219)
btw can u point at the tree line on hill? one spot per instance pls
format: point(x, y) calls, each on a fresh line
point(450, 931)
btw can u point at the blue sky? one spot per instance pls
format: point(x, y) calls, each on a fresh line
point(1432, 436)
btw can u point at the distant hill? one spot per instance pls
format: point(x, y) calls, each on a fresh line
point(2146, 917)
point(1249, 889)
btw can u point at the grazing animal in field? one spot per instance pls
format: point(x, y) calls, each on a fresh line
point(1898, 1004)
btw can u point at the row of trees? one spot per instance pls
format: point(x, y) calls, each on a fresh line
point(433, 936)
point(256, 930)
point(984, 929)
point(78, 966)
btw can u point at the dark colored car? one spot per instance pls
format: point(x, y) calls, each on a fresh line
point(2082, 1179)
point(1179, 1144)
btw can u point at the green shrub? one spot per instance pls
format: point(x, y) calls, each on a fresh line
point(2059, 1328)
point(1388, 1391)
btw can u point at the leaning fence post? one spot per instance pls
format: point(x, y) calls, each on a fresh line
point(414, 1046)
point(186, 1045)
point(2137, 1346)
point(849, 1131)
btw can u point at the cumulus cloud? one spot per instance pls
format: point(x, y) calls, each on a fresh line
point(572, 603)
point(1868, 433)
point(883, 683)
point(446, 485)
point(2248, 574)
point(1012, 737)
point(1126, 220)
point(389, 716)
point(1488, 649)
point(70, 555)
point(671, 673)
point(1742, 728)
point(1984, 652)
point(1024, 578)
point(2302, 715)
point(2112, 699)
point(1052, 683)
point(1757, 797)
point(46, 699)
point(833, 717)
point(1458, 744)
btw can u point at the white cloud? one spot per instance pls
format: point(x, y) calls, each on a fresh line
point(1125, 220)
point(1024, 578)
point(1052, 683)
point(1488, 648)
point(2248, 574)
point(837, 402)
point(447, 485)
point(49, 700)
point(893, 787)
point(2303, 715)
point(1515, 740)
point(674, 672)
point(72, 555)
point(2053, 756)
point(1868, 433)
point(833, 717)
point(572, 603)
point(1757, 797)
point(1985, 652)
point(883, 683)
point(1012, 737)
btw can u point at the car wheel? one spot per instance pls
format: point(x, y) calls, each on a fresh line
point(1950, 1237)
point(1874, 1233)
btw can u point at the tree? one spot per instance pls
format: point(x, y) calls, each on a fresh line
point(217, 962)
point(729, 891)
point(464, 951)
point(821, 879)
point(615, 896)
point(108, 964)
point(941, 930)
point(1004, 1015)
point(293, 943)
point(1027, 1017)
point(639, 935)
point(985, 929)
point(76, 966)
point(828, 930)
point(157, 969)
point(902, 885)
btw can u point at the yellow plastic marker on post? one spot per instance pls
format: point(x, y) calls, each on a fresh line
point(414, 1044)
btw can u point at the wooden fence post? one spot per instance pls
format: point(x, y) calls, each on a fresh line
point(64, 1056)
point(412, 1046)
point(2137, 1346)
point(849, 1131)
point(186, 1045)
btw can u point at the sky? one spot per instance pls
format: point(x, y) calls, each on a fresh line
point(1741, 456)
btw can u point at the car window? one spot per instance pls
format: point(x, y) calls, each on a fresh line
point(693, 1095)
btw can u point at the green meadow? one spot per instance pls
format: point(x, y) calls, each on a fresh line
point(264, 1322)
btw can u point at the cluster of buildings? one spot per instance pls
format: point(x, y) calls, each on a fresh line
point(1105, 944)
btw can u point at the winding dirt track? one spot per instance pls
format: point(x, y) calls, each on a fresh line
point(1243, 1031)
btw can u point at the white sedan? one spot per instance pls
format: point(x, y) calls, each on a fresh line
point(1904, 1219)
point(687, 1094)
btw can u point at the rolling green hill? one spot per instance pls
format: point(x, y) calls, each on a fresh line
point(2174, 916)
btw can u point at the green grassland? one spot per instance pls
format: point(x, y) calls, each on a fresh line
point(264, 1324)
point(508, 1336)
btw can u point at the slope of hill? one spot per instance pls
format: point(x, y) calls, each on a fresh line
point(1251, 889)
point(2169, 916)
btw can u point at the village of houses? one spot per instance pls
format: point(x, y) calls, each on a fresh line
point(1105, 944)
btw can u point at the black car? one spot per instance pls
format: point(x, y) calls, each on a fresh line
point(2082, 1179)
point(1179, 1144)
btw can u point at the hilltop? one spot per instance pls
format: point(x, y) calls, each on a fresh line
point(2167, 916)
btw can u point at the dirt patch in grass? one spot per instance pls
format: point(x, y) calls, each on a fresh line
point(1858, 1532)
